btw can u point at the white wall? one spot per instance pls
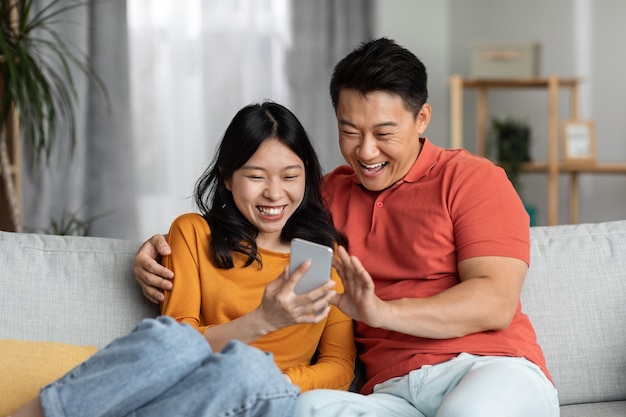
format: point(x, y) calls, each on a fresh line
point(577, 37)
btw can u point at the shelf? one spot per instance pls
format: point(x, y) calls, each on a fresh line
point(553, 167)
point(598, 168)
point(603, 168)
point(517, 82)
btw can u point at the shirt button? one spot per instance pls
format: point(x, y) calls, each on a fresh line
point(379, 204)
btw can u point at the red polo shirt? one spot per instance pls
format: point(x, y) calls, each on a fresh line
point(450, 206)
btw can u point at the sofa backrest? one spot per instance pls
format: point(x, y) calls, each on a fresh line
point(81, 290)
point(575, 296)
point(78, 290)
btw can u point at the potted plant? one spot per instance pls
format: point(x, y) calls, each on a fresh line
point(509, 146)
point(36, 78)
point(510, 142)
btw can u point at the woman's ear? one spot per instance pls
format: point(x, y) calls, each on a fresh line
point(226, 180)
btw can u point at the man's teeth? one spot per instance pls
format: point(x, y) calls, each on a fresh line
point(271, 211)
point(373, 166)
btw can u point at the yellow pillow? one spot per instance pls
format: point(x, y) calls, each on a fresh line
point(27, 366)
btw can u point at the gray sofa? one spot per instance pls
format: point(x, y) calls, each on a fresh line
point(81, 291)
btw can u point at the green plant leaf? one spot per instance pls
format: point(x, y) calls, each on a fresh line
point(36, 70)
point(509, 141)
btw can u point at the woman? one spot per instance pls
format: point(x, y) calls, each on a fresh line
point(232, 287)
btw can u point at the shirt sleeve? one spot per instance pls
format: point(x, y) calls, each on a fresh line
point(488, 215)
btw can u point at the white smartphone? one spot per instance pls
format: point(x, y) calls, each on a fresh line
point(321, 258)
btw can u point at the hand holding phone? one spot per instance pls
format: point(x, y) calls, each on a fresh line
point(321, 258)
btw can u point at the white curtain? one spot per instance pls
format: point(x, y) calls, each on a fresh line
point(194, 63)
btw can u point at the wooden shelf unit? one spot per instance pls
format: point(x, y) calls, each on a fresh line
point(553, 166)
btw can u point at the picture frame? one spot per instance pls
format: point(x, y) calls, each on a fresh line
point(579, 141)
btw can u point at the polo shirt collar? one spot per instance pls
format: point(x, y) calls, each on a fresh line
point(425, 161)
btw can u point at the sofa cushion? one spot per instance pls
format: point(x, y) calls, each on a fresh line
point(27, 366)
point(575, 296)
point(608, 409)
point(71, 289)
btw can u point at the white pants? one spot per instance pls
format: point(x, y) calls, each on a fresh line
point(466, 386)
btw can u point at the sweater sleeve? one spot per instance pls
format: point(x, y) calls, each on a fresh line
point(334, 368)
point(186, 240)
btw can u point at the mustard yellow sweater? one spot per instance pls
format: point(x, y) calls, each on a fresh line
point(204, 295)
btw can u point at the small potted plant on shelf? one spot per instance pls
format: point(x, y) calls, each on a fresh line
point(509, 146)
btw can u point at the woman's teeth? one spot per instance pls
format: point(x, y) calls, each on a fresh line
point(271, 211)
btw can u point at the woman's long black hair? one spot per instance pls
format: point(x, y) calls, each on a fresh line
point(231, 231)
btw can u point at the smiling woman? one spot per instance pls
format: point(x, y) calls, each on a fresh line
point(234, 295)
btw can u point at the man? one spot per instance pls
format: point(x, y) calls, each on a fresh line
point(438, 246)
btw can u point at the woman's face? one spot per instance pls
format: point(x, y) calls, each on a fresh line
point(268, 189)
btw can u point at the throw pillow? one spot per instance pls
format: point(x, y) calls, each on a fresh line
point(27, 366)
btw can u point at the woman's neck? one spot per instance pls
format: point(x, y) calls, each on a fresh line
point(272, 242)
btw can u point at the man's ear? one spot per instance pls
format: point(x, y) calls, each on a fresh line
point(423, 118)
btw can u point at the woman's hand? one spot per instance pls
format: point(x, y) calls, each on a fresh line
point(280, 307)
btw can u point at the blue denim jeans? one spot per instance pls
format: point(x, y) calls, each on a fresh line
point(163, 368)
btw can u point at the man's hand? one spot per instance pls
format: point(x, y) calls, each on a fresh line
point(359, 301)
point(152, 276)
point(485, 298)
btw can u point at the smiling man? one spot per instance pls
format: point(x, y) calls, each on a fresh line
point(438, 244)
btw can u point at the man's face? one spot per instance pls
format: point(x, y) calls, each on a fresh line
point(378, 136)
